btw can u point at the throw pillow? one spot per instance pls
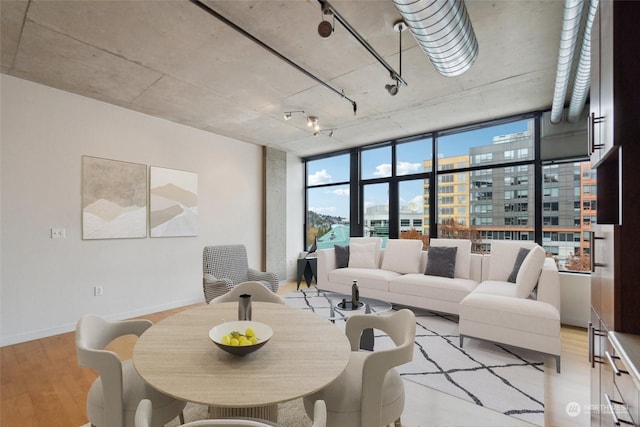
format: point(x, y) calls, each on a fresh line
point(503, 257)
point(209, 278)
point(441, 261)
point(463, 255)
point(377, 241)
point(522, 253)
point(362, 255)
point(402, 256)
point(530, 272)
point(342, 256)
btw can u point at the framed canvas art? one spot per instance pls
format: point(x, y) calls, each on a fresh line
point(114, 199)
point(173, 203)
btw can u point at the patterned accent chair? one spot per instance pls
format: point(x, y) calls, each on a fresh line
point(225, 266)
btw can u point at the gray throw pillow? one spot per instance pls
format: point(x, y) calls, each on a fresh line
point(441, 261)
point(522, 254)
point(342, 256)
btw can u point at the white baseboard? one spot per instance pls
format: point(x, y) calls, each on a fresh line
point(69, 327)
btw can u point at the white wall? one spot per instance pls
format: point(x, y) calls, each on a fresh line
point(46, 285)
point(575, 299)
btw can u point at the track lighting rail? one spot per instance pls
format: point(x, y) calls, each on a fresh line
point(271, 50)
point(327, 8)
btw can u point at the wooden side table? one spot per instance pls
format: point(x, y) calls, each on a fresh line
point(307, 268)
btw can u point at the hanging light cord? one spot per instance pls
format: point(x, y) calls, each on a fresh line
point(271, 50)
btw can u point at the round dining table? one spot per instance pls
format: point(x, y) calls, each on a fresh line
point(305, 353)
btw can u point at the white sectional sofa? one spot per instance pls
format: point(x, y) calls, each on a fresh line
point(478, 290)
point(400, 279)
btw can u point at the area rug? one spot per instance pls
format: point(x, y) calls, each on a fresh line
point(498, 377)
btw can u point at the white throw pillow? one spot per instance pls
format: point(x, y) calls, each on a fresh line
point(463, 255)
point(362, 255)
point(402, 256)
point(375, 240)
point(529, 272)
point(503, 257)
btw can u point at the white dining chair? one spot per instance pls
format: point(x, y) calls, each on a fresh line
point(370, 392)
point(145, 408)
point(257, 290)
point(114, 396)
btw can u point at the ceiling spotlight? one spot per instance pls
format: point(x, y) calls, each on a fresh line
point(287, 115)
point(312, 121)
point(325, 29)
point(399, 26)
point(392, 89)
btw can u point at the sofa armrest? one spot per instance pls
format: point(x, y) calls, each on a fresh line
point(262, 276)
point(326, 264)
point(549, 284)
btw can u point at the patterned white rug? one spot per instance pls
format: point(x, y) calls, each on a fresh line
point(499, 377)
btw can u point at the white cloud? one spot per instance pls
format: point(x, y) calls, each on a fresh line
point(324, 209)
point(415, 204)
point(405, 168)
point(341, 192)
point(320, 177)
point(383, 170)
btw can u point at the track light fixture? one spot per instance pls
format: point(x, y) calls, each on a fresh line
point(328, 132)
point(325, 28)
point(288, 114)
point(328, 9)
point(392, 89)
point(399, 26)
point(312, 121)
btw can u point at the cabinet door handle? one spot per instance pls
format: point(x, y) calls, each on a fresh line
point(612, 362)
point(593, 357)
point(592, 120)
point(617, 421)
point(592, 244)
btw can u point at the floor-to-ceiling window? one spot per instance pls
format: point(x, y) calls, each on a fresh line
point(328, 201)
point(481, 182)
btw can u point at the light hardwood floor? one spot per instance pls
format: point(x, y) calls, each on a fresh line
point(42, 385)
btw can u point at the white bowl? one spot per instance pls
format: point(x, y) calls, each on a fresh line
point(263, 334)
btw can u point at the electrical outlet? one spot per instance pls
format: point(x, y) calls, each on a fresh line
point(97, 291)
point(58, 233)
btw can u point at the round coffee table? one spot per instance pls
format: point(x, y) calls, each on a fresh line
point(327, 304)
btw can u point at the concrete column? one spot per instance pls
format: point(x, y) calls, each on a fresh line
point(275, 216)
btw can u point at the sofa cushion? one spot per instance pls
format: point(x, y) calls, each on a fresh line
point(522, 254)
point(402, 255)
point(530, 272)
point(463, 255)
point(435, 287)
point(368, 278)
point(503, 257)
point(496, 287)
point(342, 256)
point(377, 241)
point(362, 255)
point(521, 315)
point(441, 261)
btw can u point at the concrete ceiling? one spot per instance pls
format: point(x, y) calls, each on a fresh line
point(170, 59)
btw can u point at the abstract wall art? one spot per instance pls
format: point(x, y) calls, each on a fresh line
point(114, 199)
point(173, 203)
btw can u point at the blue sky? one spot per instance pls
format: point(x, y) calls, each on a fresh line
point(377, 163)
